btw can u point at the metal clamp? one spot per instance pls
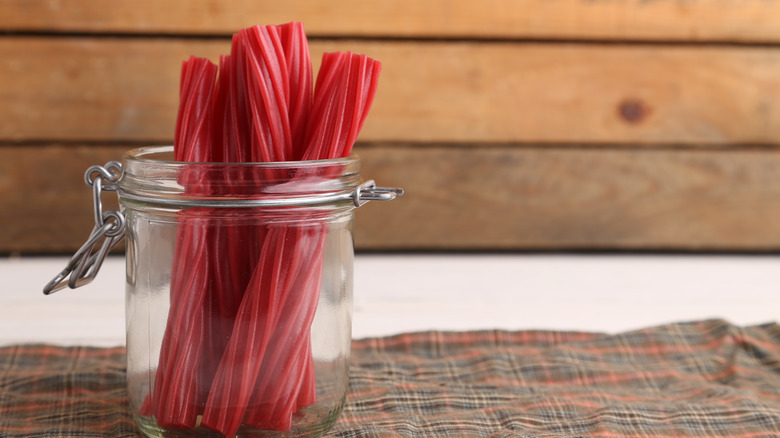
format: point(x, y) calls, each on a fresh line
point(108, 231)
point(368, 191)
point(109, 227)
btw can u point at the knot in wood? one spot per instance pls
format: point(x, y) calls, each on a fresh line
point(633, 111)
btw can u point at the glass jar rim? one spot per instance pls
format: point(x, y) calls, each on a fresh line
point(150, 176)
point(142, 155)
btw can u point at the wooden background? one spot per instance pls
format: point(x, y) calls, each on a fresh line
point(512, 124)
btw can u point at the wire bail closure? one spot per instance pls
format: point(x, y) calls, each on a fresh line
point(108, 231)
point(109, 227)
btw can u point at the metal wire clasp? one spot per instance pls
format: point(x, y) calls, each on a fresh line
point(368, 191)
point(109, 227)
point(108, 231)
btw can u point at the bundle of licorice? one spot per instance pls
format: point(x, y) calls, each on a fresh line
point(236, 348)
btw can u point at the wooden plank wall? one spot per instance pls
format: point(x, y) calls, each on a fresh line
point(513, 125)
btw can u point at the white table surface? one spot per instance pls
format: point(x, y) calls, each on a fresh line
point(402, 293)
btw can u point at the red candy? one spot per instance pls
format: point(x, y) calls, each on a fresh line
point(237, 346)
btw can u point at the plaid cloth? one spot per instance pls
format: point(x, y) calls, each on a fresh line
point(705, 378)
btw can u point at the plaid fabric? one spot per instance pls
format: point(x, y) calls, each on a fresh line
point(699, 379)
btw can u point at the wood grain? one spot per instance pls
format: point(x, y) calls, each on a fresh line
point(667, 20)
point(561, 198)
point(45, 207)
point(103, 89)
point(473, 198)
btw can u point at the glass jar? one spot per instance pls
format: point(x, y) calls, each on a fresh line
point(238, 290)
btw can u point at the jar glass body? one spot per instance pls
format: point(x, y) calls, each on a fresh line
point(238, 294)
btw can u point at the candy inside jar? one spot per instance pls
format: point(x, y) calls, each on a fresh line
point(239, 242)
